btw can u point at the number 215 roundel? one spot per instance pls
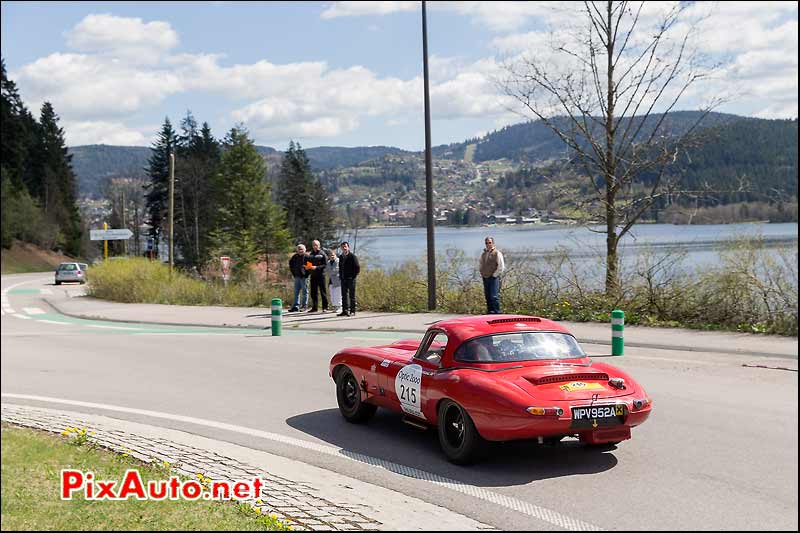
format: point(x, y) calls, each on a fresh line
point(408, 385)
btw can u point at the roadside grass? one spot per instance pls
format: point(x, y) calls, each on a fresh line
point(32, 461)
point(753, 288)
point(22, 258)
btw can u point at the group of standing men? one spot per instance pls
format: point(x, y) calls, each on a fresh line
point(324, 268)
point(343, 269)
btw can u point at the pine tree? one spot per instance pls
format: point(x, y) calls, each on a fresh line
point(197, 162)
point(18, 131)
point(247, 222)
point(55, 185)
point(308, 209)
point(157, 196)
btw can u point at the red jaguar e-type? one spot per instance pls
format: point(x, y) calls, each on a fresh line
point(491, 378)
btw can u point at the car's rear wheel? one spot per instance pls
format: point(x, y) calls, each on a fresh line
point(602, 446)
point(348, 396)
point(460, 441)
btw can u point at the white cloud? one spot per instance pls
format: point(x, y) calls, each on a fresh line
point(109, 81)
point(131, 38)
point(358, 9)
point(93, 87)
point(104, 132)
point(497, 16)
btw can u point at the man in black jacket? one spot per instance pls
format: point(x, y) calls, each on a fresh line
point(318, 260)
point(348, 270)
point(297, 265)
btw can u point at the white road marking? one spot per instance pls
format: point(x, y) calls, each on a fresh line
point(45, 291)
point(52, 322)
point(26, 317)
point(33, 310)
point(110, 327)
point(527, 508)
point(4, 301)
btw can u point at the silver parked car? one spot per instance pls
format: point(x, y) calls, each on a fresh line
point(71, 272)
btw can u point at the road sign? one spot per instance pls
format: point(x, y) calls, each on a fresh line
point(150, 243)
point(110, 234)
point(226, 267)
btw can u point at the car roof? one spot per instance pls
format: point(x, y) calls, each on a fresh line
point(465, 328)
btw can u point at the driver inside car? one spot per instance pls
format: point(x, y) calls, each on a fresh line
point(481, 350)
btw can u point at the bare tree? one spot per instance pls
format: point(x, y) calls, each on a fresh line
point(605, 88)
point(126, 197)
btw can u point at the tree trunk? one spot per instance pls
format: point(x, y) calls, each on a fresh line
point(612, 282)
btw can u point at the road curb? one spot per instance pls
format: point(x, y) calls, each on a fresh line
point(308, 497)
point(290, 327)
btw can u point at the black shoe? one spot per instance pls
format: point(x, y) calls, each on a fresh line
point(293, 310)
point(343, 313)
point(352, 313)
point(311, 311)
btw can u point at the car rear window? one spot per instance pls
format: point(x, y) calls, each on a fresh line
point(513, 347)
point(68, 266)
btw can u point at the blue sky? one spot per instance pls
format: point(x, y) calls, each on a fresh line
point(336, 73)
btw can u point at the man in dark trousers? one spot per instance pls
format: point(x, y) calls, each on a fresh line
point(297, 265)
point(317, 259)
point(348, 271)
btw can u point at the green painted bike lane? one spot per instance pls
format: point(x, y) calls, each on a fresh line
point(105, 327)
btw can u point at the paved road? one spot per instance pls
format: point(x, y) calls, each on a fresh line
point(719, 452)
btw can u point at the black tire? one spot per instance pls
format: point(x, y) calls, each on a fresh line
point(348, 396)
point(58, 283)
point(460, 441)
point(603, 446)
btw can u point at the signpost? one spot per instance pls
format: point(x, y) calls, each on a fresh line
point(226, 268)
point(106, 235)
point(110, 234)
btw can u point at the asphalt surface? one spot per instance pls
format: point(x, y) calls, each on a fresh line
point(719, 451)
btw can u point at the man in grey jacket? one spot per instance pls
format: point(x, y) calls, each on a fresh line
point(492, 266)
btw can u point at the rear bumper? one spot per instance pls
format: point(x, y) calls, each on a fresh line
point(63, 278)
point(504, 428)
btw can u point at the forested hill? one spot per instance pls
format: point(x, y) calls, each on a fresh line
point(94, 164)
point(534, 141)
point(764, 150)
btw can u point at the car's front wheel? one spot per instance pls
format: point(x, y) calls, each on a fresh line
point(460, 441)
point(348, 396)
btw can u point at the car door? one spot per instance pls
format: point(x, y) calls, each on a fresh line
point(408, 383)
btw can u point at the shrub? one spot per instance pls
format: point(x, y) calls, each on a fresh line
point(753, 289)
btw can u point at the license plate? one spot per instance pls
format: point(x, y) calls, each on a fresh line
point(593, 416)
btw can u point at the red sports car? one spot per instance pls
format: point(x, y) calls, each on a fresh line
point(491, 378)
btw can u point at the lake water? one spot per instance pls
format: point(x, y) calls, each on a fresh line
point(389, 247)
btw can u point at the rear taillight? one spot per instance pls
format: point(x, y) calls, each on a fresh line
point(545, 411)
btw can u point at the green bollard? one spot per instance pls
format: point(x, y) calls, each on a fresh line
point(277, 316)
point(617, 327)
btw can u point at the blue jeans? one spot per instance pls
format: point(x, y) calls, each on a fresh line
point(491, 289)
point(300, 291)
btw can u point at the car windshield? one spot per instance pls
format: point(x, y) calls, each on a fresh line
point(68, 266)
point(514, 347)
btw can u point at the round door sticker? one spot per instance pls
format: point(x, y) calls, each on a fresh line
point(408, 385)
